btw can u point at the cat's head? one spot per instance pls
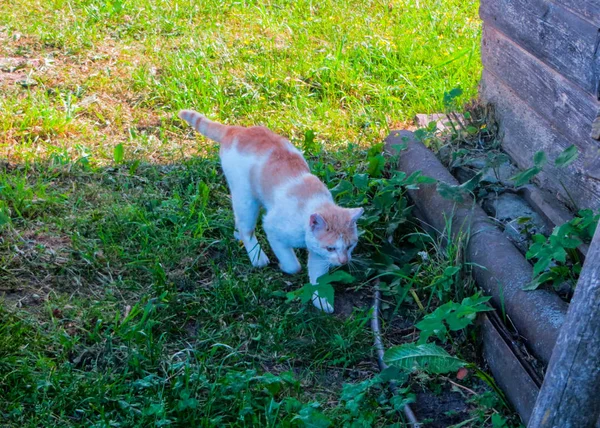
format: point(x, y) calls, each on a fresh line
point(332, 233)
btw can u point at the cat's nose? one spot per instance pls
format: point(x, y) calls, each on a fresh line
point(343, 258)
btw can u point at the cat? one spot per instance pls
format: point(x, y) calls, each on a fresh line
point(263, 169)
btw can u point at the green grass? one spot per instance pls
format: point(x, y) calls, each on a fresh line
point(348, 70)
point(127, 302)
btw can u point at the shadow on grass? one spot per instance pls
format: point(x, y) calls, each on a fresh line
point(126, 299)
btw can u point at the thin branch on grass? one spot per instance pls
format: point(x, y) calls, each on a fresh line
point(469, 390)
point(379, 349)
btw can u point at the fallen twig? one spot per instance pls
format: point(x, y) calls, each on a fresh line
point(380, 351)
point(458, 385)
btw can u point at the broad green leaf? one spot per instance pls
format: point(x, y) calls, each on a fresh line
point(447, 191)
point(134, 166)
point(451, 270)
point(418, 178)
point(541, 265)
point(361, 181)
point(353, 394)
point(376, 166)
point(309, 139)
point(559, 254)
point(570, 242)
point(393, 373)
point(325, 291)
point(398, 179)
point(498, 421)
point(337, 276)
point(429, 357)
point(533, 285)
point(384, 200)
point(476, 301)
point(118, 153)
point(343, 187)
point(430, 325)
point(400, 401)
point(470, 185)
point(4, 215)
point(323, 288)
point(456, 322)
point(525, 176)
point(524, 220)
point(451, 95)
point(540, 159)
point(312, 418)
point(375, 150)
point(567, 157)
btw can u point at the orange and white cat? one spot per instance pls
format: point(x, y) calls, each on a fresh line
point(265, 169)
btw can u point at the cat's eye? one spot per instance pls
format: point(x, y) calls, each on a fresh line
point(330, 249)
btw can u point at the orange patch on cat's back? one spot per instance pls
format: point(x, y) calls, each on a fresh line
point(281, 166)
point(254, 140)
point(308, 186)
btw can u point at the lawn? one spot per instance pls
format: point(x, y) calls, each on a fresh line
point(126, 300)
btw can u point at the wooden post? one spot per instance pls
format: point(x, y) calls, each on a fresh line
point(570, 394)
point(596, 125)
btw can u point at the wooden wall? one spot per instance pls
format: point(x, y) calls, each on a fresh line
point(542, 74)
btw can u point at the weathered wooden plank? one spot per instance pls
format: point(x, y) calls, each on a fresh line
point(569, 395)
point(589, 9)
point(508, 370)
point(524, 132)
point(569, 108)
point(596, 127)
point(558, 37)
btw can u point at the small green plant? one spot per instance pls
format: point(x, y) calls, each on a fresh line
point(311, 417)
point(118, 153)
point(4, 215)
point(556, 258)
point(457, 192)
point(324, 287)
point(452, 316)
point(567, 157)
point(524, 177)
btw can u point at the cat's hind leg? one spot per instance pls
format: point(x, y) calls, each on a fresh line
point(246, 209)
point(288, 262)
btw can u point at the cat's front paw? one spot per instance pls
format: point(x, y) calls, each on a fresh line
point(261, 261)
point(290, 268)
point(321, 304)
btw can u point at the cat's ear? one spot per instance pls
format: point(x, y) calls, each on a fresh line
point(355, 214)
point(317, 223)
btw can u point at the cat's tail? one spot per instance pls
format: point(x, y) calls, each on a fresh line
point(213, 130)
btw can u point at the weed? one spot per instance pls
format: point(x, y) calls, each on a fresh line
point(567, 157)
point(556, 257)
point(451, 316)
